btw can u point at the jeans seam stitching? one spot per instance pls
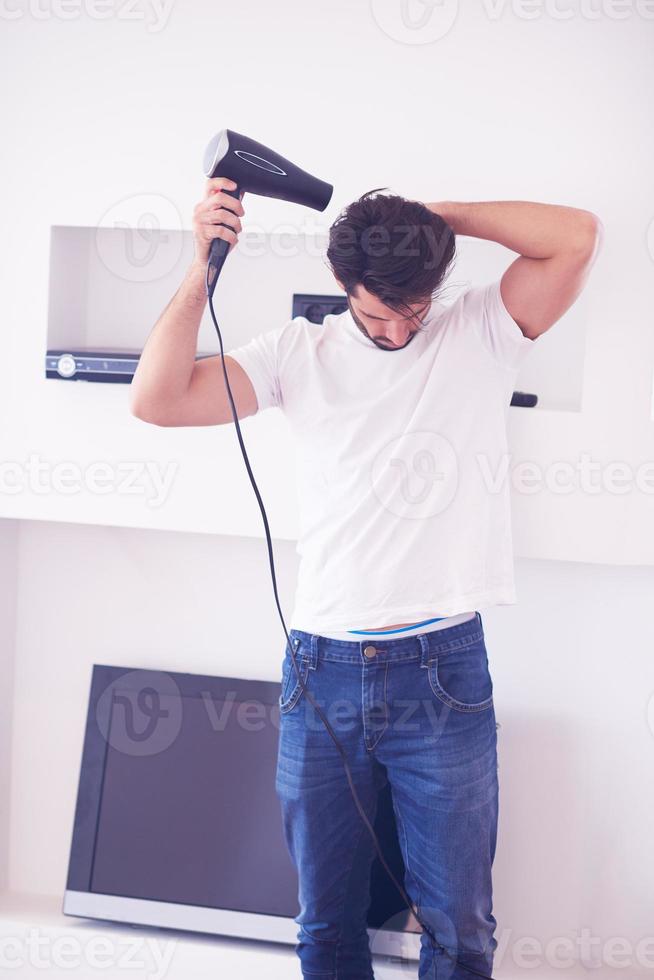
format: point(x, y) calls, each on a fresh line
point(447, 699)
point(407, 862)
point(347, 885)
point(457, 643)
point(376, 742)
point(298, 689)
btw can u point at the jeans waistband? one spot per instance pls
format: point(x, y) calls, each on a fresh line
point(311, 647)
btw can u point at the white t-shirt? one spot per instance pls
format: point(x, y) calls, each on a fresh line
point(402, 466)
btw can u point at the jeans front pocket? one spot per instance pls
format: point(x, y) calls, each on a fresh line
point(292, 690)
point(461, 677)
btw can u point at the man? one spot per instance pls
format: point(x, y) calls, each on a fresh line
point(398, 406)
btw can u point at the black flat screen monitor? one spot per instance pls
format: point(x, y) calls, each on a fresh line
point(177, 821)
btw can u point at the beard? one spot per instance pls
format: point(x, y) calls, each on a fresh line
point(377, 343)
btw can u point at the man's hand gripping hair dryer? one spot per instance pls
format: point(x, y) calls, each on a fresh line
point(257, 169)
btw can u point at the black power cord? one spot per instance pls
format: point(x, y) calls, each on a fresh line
point(209, 285)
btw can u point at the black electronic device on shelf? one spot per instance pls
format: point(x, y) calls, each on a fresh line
point(116, 365)
point(177, 821)
point(316, 306)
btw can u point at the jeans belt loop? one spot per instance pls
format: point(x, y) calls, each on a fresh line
point(423, 640)
point(313, 653)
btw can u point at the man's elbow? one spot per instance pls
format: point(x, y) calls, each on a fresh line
point(145, 409)
point(588, 238)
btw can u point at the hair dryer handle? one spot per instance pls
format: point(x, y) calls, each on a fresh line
point(219, 249)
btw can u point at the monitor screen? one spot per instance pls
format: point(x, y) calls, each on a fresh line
point(177, 809)
point(197, 822)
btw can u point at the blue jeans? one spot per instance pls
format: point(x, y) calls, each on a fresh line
point(416, 713)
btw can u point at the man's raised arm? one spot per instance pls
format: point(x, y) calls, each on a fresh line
point(557, 247)
point(169, 387)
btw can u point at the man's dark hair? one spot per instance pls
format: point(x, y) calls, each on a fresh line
point(399, 250)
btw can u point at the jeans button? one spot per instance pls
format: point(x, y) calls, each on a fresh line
point(369, 652)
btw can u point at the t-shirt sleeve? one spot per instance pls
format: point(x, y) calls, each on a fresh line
point(259, 358)
point(496, 328)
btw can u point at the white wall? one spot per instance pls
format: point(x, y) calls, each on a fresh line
point(8, 610)
point(102, 115)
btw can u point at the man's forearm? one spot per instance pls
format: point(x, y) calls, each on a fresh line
point(164, 370)
point(536, 230)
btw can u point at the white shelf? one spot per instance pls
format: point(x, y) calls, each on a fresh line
point(67, 947)
point(187, 954)
point(190, 954)
point(108, 286)
point(124, 277)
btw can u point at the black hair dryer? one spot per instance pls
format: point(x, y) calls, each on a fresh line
point(259, 170)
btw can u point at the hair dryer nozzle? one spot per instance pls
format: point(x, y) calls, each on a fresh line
point(259, 170)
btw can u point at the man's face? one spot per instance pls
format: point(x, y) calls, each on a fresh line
point(385, 327)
